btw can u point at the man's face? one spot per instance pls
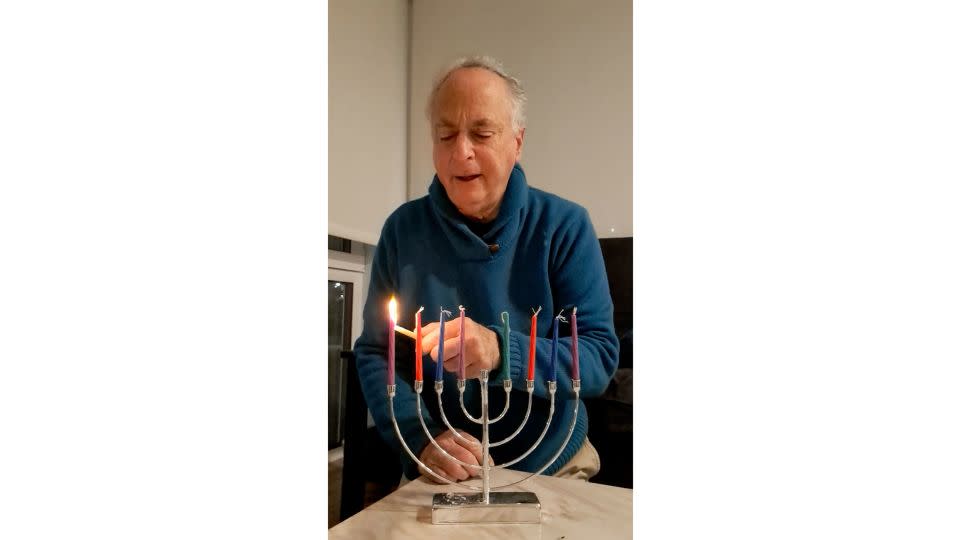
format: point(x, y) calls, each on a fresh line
point(474, 145)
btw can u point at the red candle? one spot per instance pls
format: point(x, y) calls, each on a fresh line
point(576, 355)
point(419, 353)
point(392, 307)
point(531, 370)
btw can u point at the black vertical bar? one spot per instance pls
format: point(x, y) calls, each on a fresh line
point(355, 427)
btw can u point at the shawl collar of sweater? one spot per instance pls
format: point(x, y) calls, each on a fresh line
point(502, 231)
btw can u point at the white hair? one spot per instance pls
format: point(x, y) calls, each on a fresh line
point(518, 98)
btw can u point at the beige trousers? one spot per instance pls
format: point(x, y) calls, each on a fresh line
point(584, 465)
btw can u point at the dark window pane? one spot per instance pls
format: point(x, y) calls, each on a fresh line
point(340, 313)
point(336, 243)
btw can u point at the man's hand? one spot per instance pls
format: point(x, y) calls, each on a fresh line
point(481, 348)
point(468, 452)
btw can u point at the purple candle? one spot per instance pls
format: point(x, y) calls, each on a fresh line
point(460, 371)
point(576, 355)
point(392, 307)
point(418, 367)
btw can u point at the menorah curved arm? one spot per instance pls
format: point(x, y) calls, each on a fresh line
point(525, 417)
point(434, 441)
point(507, 386)
point(396, 429)
point(573, 424)
point(553, 390)
point(438, 386)
point(460, 386)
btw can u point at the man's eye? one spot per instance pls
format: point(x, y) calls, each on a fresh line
point(484, 134)
point(446, 137)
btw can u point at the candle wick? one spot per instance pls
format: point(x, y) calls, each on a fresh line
point(461, 307)
point(574, 310)
point(537, 312)
point(445, 312)
point(419, 310)
point(559, 314)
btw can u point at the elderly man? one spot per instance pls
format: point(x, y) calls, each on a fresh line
point(482, 238)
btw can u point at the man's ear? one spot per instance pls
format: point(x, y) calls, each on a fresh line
point(519, 139)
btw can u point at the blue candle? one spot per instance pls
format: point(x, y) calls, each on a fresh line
point(439, 374)
point(553, 352)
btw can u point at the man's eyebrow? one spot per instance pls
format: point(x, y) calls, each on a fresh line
point(480, 123)
point(484, 122)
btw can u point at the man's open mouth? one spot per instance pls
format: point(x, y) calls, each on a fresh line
point(467, 178)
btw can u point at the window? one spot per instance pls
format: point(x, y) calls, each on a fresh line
point(345, 291)
point(340, 338)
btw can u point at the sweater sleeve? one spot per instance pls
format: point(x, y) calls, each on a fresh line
point(370, 350)
point(578, 279)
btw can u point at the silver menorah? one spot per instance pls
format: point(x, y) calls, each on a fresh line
point(482, 505)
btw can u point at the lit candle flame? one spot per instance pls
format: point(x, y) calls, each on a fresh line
point(392, 306)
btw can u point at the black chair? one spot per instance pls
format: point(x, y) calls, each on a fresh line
point(611, 422)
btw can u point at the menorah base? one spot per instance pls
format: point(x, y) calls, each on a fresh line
point(504, 507)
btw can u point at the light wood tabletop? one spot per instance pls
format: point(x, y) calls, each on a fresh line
point(570, 509)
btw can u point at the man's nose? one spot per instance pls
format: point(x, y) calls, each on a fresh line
point(463, 148)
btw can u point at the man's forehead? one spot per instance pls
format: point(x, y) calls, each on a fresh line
point(472, 95)
point(473, 80)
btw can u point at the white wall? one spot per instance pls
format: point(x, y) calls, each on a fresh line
point(575, 61)
point(367, 114)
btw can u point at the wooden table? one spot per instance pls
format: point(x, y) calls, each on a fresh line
point(570, 509)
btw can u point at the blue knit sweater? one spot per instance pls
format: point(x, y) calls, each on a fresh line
point(548, 256)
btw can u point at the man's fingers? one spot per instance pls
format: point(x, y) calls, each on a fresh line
point(451, 469)
point(480, 347)
point(452, 328)
point(444, 467)
point(472, 445)
point(427, 328)
point(464, 435)
point(460, 452)
point(452, 364)
point(471, 371)
point(468, 452)
point(472, 440)
point(450, 443)
point(430, 477)
point(450, 349)
point(431, 334)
